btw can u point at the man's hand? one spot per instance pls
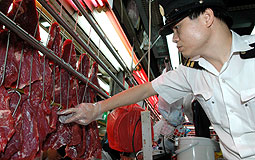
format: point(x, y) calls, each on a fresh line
point(83, 113)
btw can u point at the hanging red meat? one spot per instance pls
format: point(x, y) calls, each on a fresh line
point(59, 138)
point(14, 145)
point(38, 103)
point(42, 110)
point(4, 6)
point(89, 146)
point(84, 65)
point(74, 147)
point(7, 122)
point(32, 119)
point(54, 44)
point(28, 56)
point(76, 151)
point(55, 39)
point(6, 128)
point(93, 78)
point(63, 134)
point(77, 146)
point(68, 53)
point(29, 134)
point(26, 18)
point(83, 68)
point(34, 126)
point(93, 145)
point(11, 70)
point(67, 81)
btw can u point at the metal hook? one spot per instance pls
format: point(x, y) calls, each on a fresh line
point(82, 68)
point(76, 89)
point(17, 11)
point(7, 46)
point(60, 78)
point(44, 64)
point(12, 91)
point(30, 75)
point(69, 59)
point(68, 89)
point(83, 97)
point(5, 59)
point(53, 90)
point(32, 58)
point(60, 81)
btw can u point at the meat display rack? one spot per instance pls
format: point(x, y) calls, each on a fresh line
point(49, 54)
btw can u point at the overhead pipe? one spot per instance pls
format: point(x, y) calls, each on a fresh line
point(79, 40)
point(37, 45)
point(147, 51)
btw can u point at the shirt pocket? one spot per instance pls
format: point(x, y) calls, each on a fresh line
point(208, 104)
point(248, 103)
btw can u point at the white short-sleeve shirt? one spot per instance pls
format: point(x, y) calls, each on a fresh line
point(227, 97)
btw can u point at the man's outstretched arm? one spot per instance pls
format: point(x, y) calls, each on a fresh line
point(85, 113)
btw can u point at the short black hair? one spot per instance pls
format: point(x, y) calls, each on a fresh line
point(220, 13)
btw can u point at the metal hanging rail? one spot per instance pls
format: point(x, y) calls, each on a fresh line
point(100, 34)
point(37, 44)
point(79, 40)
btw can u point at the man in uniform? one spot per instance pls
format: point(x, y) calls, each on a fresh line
point(223, 66)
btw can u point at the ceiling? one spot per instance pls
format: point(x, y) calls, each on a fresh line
point(134, 18)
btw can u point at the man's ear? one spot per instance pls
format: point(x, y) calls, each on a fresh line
point(208, 17)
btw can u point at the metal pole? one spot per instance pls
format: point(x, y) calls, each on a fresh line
point(147, 51)
point(37, 45)
point(79, 40)
point(146, 135)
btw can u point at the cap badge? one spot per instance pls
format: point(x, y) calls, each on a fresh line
point(161, 10)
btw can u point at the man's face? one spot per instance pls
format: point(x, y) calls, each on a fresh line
point(191, 36)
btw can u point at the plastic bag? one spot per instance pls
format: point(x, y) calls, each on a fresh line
point(124, 128)
point(173, 113)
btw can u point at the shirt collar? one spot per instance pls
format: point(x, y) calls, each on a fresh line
point(239, 44)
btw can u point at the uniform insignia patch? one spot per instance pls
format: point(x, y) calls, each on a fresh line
point(192, 64)
point(248, 54)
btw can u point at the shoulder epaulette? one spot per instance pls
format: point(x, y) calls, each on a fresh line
point(192, 64)
point(248, 54)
